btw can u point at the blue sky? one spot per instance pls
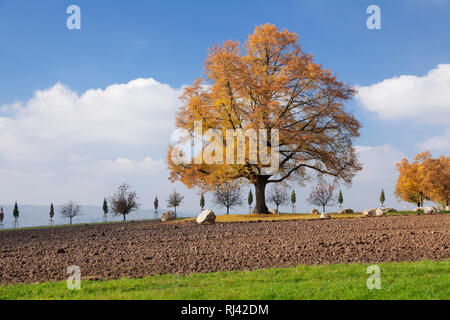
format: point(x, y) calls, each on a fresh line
point(121, 41)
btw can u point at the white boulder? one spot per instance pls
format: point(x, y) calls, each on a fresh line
point(431, 210)
point(324, 216)
point(274, 211)
point(418, 209)
point(447, 208)
point(169, 215)
point(370, 212)
point(206, 217)
point(380, 212)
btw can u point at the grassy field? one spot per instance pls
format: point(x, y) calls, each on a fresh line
point(418, 280)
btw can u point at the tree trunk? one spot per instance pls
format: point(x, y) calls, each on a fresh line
point(228, 210)
point(124, 218)
point(70, 220)
point(323, 207)
point(260, 193)
point(421, 198)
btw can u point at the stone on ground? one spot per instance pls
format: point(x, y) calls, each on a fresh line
point(206, 217)
point(169, 215)
point(370, 212)
point(324, 216)
point(274, 211)
point(431, 210)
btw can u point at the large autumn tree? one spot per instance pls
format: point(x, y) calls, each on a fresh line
point(424, 178)
point(269, 83)
point(437, 180)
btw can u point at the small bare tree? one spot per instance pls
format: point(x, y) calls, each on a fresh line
point(70, 210)
point(174, 200)
point(123, 202)
point(227, 195)
point(278, 196)
point(322, 194)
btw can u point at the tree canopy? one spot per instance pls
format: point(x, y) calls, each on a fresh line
point(322, 195)
point(278, 196)
point(227, 195)
point(174, 200)
point(124, 201)
point(424, 178)
point(70, 210)
point(269, 83)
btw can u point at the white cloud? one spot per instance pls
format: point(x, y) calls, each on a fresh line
point(379, 163)
point(379, 171)
point(140, 112)
point(423, 99)
point(440, 143)
point(91, 143)
point(121, 167)
point(58, 145)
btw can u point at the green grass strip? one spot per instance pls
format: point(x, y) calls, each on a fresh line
point(417, 280)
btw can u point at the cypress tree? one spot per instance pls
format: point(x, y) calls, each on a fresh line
point(52, 211)
point(105, 207)
point(202, 202)
point(250, 197)
point(293, 200)
point(156, 204)
point(293, 197)
point(2, 215)
point(16, 211)
point(382, 197)
point(340, 198)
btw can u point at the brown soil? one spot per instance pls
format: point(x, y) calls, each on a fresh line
point(138, 249)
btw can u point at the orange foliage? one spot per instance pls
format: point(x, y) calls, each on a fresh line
point(270, 83)
point(424, 178)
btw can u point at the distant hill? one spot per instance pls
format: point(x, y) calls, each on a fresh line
point(32, 216)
